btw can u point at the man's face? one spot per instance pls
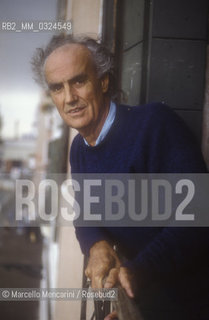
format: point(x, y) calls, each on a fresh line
point(75, 88)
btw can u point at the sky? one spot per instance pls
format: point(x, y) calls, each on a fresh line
point(19, 94)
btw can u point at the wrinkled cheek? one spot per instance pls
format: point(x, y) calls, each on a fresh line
point(60, 112)
point(89, 93)
point(54, 99)
point(60, 107)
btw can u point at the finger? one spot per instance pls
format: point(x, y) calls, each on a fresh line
point(97, 282)
point(112, 278)
point(125, 280)
point(87, 273)
point(111, 316)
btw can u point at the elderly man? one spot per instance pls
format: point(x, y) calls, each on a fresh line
point(165, 268)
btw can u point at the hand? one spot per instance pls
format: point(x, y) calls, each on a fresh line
point(124, 277)
point(102, 259)
point(126, 280)
point(111, 316)
point(104, 262)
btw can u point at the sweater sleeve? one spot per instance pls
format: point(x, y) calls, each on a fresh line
point(88, 236)
point(174, 248)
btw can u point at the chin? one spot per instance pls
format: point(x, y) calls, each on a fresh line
point(77, 126)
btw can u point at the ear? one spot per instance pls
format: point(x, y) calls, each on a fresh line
point(105, 83)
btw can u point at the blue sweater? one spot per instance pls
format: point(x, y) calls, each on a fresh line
point(145, 139)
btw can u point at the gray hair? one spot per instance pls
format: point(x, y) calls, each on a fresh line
point(102, 57)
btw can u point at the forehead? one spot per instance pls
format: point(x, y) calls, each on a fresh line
point(67, 61)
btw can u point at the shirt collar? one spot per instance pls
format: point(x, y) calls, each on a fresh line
point(107, 125)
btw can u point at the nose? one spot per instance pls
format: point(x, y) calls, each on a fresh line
point(70, 95)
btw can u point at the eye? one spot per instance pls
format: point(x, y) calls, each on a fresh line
point(55, 87)
point(78, 83)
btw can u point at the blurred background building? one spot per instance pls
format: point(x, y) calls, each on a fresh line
point(161, 55)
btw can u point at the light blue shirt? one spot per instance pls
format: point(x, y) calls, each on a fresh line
point(107, 125)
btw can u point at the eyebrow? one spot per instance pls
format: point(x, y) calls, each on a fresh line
point(79, 77)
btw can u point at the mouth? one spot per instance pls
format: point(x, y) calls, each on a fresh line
point(76, 110)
